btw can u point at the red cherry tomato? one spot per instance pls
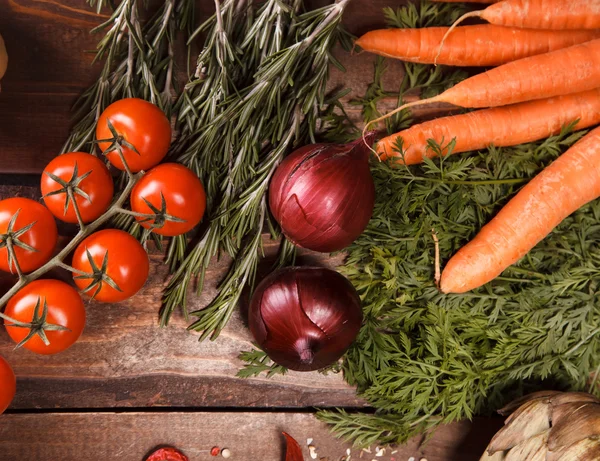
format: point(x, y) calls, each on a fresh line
point(174, 190)
point(139, 123)
point(41, 236)
point(126, 263)
point(65, 308)
point(93, 193)
point(8, 385)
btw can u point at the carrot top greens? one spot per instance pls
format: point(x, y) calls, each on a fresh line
point(423, 358)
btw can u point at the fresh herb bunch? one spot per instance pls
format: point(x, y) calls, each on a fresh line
point(424, 358)
point(337, 127)
point(138, 62)
point(258, 92)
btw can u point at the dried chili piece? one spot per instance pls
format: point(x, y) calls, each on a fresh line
point(167, 454)
point(294, 452)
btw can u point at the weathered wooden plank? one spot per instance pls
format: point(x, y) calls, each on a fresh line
point(49, 67)
point(248, 436)
point(123, 359)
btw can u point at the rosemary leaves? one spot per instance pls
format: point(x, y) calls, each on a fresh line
point(138, 62)
point(257, 92)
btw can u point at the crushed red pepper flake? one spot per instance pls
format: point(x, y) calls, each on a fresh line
point(167, 454)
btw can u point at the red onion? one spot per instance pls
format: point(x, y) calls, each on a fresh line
point(322, 195)
point(305, 318)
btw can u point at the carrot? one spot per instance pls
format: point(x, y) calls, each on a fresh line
point(500, 126)
point(538, 14)
point(481, 45)
point(565, 71)
point(567, 184)
point(465, 1)
point(541, 14)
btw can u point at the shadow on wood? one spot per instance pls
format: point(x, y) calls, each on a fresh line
point(477, 437)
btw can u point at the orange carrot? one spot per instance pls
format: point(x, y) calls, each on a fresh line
point(567, 184)
point(565, 71)
point(500, 126)
point(481, 45)
point(541, 14)
point(537, 14)
point(465, 1)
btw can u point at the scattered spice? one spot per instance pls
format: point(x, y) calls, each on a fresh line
point(214, 451)
point(226, 453)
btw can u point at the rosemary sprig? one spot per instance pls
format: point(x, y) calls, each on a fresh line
point(275, 93)
point(138, 62)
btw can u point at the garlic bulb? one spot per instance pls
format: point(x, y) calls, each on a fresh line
point(548, 426)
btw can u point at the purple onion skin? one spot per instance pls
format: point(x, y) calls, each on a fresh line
point(305, 318)
point(322, 195)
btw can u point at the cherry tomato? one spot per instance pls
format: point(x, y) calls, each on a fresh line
point(138, 123)
point(8, 385)
point(41, 237)
point(64, 308)
point(167, 454)
point(92, 186)
point(124, 259)
point(174, 194)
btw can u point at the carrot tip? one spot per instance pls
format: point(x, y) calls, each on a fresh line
point(471, 14)
point(364, 138)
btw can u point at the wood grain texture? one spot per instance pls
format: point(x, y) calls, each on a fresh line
point(249, 437)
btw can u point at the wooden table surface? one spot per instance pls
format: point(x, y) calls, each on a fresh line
point(128, 386)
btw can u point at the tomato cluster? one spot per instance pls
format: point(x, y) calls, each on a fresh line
point(48, 316)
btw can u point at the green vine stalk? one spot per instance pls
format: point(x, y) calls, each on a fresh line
point(57, 261)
